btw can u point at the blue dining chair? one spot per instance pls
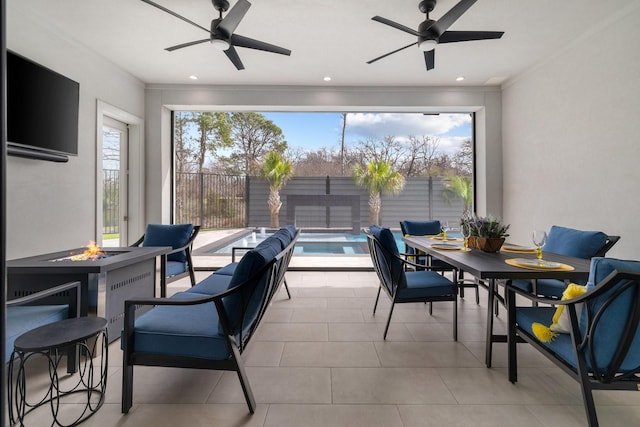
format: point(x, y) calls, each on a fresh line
point(432, 228)
point(569, 242)
point(177, 263)
point(424, 285)
point(600, 347)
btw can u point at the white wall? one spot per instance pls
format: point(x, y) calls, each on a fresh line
point(485, 101)
point(51, 206)
point(571, 129)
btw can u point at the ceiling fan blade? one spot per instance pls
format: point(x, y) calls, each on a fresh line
point(443, 24)
point(464, 36)
point(391, 53)
point(180, 46)
point(236, 13)
point(232, 54)
point(430, 59)
point(395, 25)
point(242, 41)
point(170, 12)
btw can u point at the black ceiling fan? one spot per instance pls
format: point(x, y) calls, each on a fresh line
point(430, 32)
point(221, 32)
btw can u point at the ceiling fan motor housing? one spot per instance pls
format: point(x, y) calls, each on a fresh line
point(426, 33)
point(427, 6)
point(220, 5)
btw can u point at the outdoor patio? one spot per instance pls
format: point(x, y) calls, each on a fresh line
point(319, 360)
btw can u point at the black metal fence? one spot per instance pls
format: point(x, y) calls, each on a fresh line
point(111, 202)
point(211, 200)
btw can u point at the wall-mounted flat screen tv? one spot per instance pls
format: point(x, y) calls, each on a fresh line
point(42, 111)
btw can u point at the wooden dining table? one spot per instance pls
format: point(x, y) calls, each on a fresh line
point(492, 270)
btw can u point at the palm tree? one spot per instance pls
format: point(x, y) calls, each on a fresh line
point(277, 171)
point(459, 187)
point(377, 177)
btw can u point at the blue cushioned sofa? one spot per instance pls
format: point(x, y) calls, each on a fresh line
point(210, 325)
point(602, 350)
point(28, 312)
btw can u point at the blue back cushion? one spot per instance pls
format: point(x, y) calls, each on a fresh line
point(175, 235)
point(421, 228)
point(251, 295)
point(577, 243)
point(392, 267)
point(614, 321)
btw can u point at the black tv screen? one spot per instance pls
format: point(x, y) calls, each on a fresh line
point(42, 111)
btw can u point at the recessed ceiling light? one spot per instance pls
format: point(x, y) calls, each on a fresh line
point(193, 77)
point(459, 79)
point(327, 78)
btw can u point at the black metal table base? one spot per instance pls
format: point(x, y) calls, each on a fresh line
point(90, 380)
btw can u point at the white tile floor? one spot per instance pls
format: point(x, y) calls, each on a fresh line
point(319, 360)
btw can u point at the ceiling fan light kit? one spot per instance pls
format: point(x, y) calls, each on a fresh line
point(430, 33)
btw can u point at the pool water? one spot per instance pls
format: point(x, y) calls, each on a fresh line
point(314, 244)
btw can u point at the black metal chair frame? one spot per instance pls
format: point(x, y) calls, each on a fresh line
point(274, 272)
point(596, 379)
point(187, 248)
point(374, 247)
point(462, 282)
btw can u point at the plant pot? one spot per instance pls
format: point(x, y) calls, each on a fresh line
point(486, 244)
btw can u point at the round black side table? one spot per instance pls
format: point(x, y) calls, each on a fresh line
point(81, 338)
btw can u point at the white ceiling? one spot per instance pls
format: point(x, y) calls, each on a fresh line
point(326, 37)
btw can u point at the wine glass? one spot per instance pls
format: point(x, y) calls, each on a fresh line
point(444, 226)
point(539, 239)
point(465, 230)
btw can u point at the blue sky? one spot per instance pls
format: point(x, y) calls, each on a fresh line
point(316, 130)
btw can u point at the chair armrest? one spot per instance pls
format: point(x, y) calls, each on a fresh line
point(74, 297)
point(604, 286)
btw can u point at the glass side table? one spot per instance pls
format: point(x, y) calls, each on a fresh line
point(85, 339)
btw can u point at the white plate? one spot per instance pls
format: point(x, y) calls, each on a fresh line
point(537, 263)
point(446, 247)
point(513, 247)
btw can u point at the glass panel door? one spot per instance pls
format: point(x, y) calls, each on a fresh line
point(114, 183)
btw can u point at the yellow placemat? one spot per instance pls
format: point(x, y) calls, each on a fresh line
point(532, 264)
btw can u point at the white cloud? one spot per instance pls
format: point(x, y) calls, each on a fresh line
point(379, 125)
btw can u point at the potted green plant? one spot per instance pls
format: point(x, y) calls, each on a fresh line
point(485, 233)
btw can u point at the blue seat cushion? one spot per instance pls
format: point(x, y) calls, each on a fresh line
point(176, 267)
point(188, 331)
point(561, 345)
point(174, 235)
point(212, 285)
point(613, 322)
point(421, 228)
point(251, 294)
point(23, 318)
point(421, 284)
point(228, 269)
point(572, 242)
point(392, 265)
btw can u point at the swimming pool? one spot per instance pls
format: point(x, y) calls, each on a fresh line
point(309, 244)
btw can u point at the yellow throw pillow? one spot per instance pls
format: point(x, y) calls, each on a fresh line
point(561, 323)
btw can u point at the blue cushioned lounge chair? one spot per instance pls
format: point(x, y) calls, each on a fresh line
point(402, 286)
point(570, 242)
point(602, 350)
point(177, 263)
